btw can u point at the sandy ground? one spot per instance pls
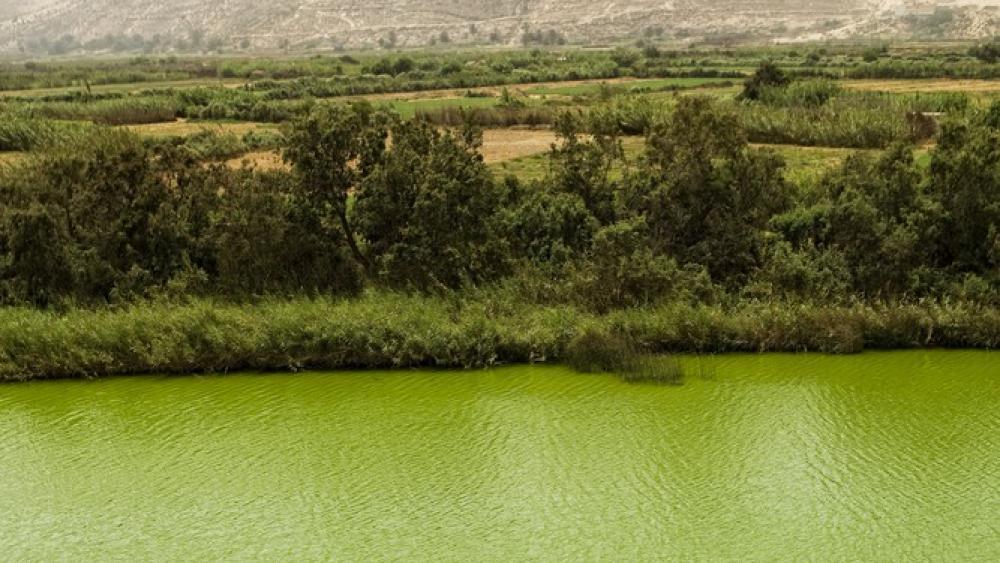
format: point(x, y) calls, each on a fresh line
point(263, 161)
point(933, 85)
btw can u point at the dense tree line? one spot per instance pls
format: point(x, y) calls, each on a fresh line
point(373, 200)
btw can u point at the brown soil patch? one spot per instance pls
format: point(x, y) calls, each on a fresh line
point(11, 157)
point(501, 145)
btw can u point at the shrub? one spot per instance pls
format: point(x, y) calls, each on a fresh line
point(768, 75)
point(801, 93)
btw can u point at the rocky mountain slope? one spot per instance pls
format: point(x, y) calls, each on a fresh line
point(266, 24)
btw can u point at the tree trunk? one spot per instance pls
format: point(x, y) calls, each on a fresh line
point(353, 244)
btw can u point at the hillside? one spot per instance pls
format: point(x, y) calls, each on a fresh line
point(58, 26)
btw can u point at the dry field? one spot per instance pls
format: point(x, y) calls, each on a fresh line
point(501, 145)
point(931, 85)
point(181, 128)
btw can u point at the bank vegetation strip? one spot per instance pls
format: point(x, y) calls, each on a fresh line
point(388, 330)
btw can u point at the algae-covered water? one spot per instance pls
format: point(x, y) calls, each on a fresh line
point(881, 456)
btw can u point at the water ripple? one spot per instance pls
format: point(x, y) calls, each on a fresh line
point(877, 456)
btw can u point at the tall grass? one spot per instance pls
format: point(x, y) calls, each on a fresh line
point(115, 111)
point(19, 133)
point(802, 93)
point(384, 330)
point(821, 113)
point(896, 69)
point(827, 126)
point(596, 351)
point(488, 117)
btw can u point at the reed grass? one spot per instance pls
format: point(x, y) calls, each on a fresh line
point(488, 117)
point(121, 111)
point(656, 370)
point(388, 330)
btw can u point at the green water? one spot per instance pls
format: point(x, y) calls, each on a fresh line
point(890, 456)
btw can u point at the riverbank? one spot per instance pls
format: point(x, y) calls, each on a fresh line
point(387, 330)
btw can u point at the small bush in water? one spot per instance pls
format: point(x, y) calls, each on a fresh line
point(595, 351)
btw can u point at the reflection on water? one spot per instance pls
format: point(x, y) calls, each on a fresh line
point(878, 456)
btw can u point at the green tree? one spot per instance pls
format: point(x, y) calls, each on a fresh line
point(621, 270)
point(36, 267)
point(128, 219)
point(546, 227)
point(428, 209)
point(267, 238)
point(331, 150)
point(988, 53)
point(705, 193)
point(965, 182)
point(625, 57)
point(584, 167)
point(872, 213)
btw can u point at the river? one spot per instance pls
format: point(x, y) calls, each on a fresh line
point(879, 456)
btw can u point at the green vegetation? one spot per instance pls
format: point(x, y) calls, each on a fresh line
point(210, 145)
point(634, 86)
point(114, 111)
point(23, 133)
point(651, 226)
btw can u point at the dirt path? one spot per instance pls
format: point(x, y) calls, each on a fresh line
point(499, 145)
